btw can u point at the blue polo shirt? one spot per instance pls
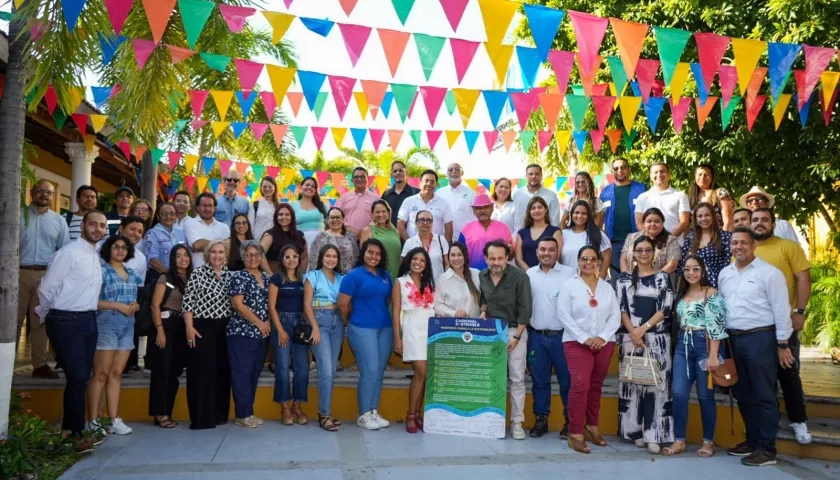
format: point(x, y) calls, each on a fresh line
point(369, 295)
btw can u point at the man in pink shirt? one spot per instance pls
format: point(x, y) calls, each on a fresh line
point(478, 233)
point(356, 204)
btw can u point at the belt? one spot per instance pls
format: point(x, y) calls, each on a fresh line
point(547, 333)
point(37, 268)
point(735, 331)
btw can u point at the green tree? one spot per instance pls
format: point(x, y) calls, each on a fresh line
point(415, 159)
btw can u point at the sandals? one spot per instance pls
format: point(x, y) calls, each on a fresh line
point(418, 420)
point(579, 446)
point(707, 450)
point(675, 448)
point(165, 422)
point(327, 423)
point(594, 437)
point(411, 422)
point(288, 418)
point(299, 417)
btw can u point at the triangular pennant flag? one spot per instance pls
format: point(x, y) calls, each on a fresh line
point(394, 137)
point(190, 161)
point(207, 163)
point(280, 23)
point(179, 54)
point(80, 119)
point(376, 135)
point(804, 111)
point(615, 139)
point(629, 107)
point(222, 99)
point(157, 154)
point(799, 76)
point(755, 82)
point(604, 107)
point(747, 53)
point(561, 62)
point(358, 135)
point(726, 112)
point(508, 138)
point(375, 93)
point(248, 72)
point(432, 101)
point(98, 122)
point(630, 38)
point(295, 101)
point(653, 108)
point(342, 91)
point(629, 138)
point(470, 137)
point(198, 124)
point(202, 183)
point(100, 96)
point(449, 101)
point(241, 167)
point(235, 16)
point(728, 77)
point(597, 137)
point(454, 11)
point(180, 125)
point(338, 134)
point(258, 129)
point(189, 183)
point(490, 138)
point(678, 80)
point(279, 133)
point(393, 45)
point(753, 109)
point(432, 136)
point(702, 88)
point(497, 16)
point(158, 13)
point(118, 11)
point(142, 51)
point(703, 110)
point(355, 38)
point(281, 77)
point(219, 128)
point(828, 106)
point(523, 104)
point(270, 103)
point(246, 99)
point(529, 64)
point(452, 137)
point(310, 83)
point(587, 79)
point(320, 102)
point(466, 99)
point(347, 6)
point(500, 58)
point(710, 50)
point(299, 132)
point(238, 128)
point(544, 138)
point(526, 138)
point(403, 97)
point(780, 58)
point(415, 137)
point(671, 42)
point(618, 73)
point(402, 8)
point(646, 72)
point(544, 23)
point(319, 134)
point(258, 170)
point(816, 61)
point(463, 52)
point(197, 100)
point(495, 102)
point(563, 137)
point(75, 97)
point(429, 48)
point(194, 14)
point(580, 139)
point(552, 104)
point(578, 105)
point(387, 100)
point(317, 25)
point(174, 158)
point(216, 62)
point(109, 47)
point(829, 84)
point(679, 111)
point(361, 103)
point(589, 33)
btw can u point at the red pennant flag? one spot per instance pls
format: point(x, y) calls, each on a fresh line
point(490, 138)
point(376, 135)
point(235, 16)
point(646, 71)
point(600, 88)
point(158, 12)
point(355, 39)
point(125, 148)
point(80, 119)
point(454, 11)
point(51, 98)
point(544, 138)
point(272, 172)
point(799, 78)
point(142, 51)
point(118, 11)
point(394, 137)
point(197, 100)
point(432, 100)
point(710, 50)
point(561, 62)
point(393, 44)
point(679, 111)
point(753, 109)
point(174, 158)
point(342, 91)
point(463, 52)
point(179, 54)
point(295, 101)
point(248, 72)
point(279, 132)
point(597, 137)
point(270, 103)
point(615, 139)
point(189, 183)
point(258, 129)
point(319, 133)
point(604, 106)
point(589, 33)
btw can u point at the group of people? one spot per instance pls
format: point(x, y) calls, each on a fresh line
point(646, 272)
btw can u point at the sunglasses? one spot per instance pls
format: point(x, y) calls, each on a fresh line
point(589, 259)
point(424, 220)
point(290, 257)
point(621, 167)
point(755, 200)
point(692, 269)
point(232, 180)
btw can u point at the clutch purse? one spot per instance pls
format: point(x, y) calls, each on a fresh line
point(302, 334)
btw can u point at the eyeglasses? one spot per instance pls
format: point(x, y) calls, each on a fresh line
point(588, 259)
point(232, 180)
point(240, 224)
point(141, 209)
point(360, 177)
point(121, 248)
point(166, 214)
point(643, 251)
point(424, 220)
point(692, 269)
point(42, 191)
point(290, 257)
point(336, 218)
point(252, 255)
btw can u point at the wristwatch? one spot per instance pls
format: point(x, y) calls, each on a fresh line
point(782, 346)
point(800, 311)
point(518, 337)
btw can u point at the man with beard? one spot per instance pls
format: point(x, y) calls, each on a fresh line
point(619, 199)
point(86, 199)
point(396, 195)
point(460, 197)
point(42, 233)
point(788, 257)
point(521, 197)
point(123, 199)
point(204, 228)
point(428, 201)
point(68, 295)
point(758, 198)
point(478, 233)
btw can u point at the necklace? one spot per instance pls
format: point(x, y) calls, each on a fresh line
point(592, 301)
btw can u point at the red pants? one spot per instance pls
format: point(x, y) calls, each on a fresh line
point(587, 370)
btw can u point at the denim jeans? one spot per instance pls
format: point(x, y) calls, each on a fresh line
point(73, 336)
point(691, 348)
point(246, 356)
point(372, 347)
point(326, 355)
point(545, 352)
point(298, 355)
point(757, 360)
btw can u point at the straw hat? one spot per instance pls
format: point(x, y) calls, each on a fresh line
point(771, 200)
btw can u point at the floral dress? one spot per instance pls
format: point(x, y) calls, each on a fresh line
point(417, 309)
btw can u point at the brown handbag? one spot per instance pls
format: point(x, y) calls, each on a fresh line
point(725, 375)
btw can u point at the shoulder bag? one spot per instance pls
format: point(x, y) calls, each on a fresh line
point(641, 370)
point(725, 375)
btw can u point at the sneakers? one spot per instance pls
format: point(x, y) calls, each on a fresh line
point(119, 427)
point(564, 432)
point(83, 445)
point(517, 431)
point(800, 430)
point(540, 427)
point(653, 448)
point(367, 422)
point(379, 420)
point(98, 432)
point(741, 450)
point(759, 458)
point(257, 420)
point(247, 422)
point(640, 443)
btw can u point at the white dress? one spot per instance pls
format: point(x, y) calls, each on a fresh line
point(414, 320)
point(453, 294)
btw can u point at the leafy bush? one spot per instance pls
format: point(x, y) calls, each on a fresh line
point(823, 325)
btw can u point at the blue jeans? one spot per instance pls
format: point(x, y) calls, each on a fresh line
point(691, 348)
point(545, 352)
point(372, 347)
point(246, 356)
point(299, 355)
point(73, 336)
point(326, 355)
point(757, 361)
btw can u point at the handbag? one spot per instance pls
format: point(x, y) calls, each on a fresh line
point(641, 370)
point(302, 334)
point(725, 375)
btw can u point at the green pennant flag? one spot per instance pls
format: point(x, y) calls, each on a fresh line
point(526, 137)
point(214, 61)
point(672, 42)
point(194, 14)
point(179, 125)
point(629, 138)
point(449, 101)
point(32, 96)
point(578, 104)
point(176, 99)
point(578, 90)
point(157, 154)
point(299, 133)
point(60, 117)
point(726, 113)
point(415, 137)
point(258, 174)
point(403, 9)
point(403, 97)
point(320, 101)
point(429, 48)
point(619, 75)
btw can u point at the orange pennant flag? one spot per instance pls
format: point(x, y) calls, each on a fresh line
point(703, 111)
point(508, 137)
point(158, 12)
point(295, 100)
point(588, 79)
point(98, 122)
point(452, 137)
point(551, 104)
point(362, 103)
point(466, 99)
point(563, 137)
point(500, 56)
point(394, 137)
point(280, 23)
point(280, 78)
point(630, 37)
point(393, 44)
point(615, 138)
point(338, 134)
point(755, 83)
point(279, 133)
point(179, 54)
point(222, 99)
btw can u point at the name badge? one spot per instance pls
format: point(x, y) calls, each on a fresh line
point(165, 314)
point(608, 204)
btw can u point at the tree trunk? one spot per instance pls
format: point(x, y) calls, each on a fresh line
point(827, 216)
point(12, 124)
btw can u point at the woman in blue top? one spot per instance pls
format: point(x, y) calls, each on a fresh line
point(320, 307)
point(537, 226)
point(285, 305)
point(363, 302)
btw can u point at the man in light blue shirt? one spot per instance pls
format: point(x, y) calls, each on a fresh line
point(42, 233)
point(229, 204)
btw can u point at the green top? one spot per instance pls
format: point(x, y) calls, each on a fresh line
point(510, 300)
point(393, 247)
point(710, 315)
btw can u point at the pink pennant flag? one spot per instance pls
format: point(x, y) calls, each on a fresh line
point(288, 3)
point(597, 137)
point(51, 98)
point(753, 109)
point(347, 6)
point(432, 101)
point(679, 111)
point(433, 136)
point(295, 100)
point(319, 133)
point(178, 54)
point(272, 172)
point(646, 71)
point(728, 77)
point(258, 129)
point(600, 88)
point(118, 11)
point(355, 39)
point(376, 135)
point(224, 166)
point(189, 183)
point(816, 61)
point(197, 124)
point(248, 72)
point(544, 138)
point(235, 16)
point(561, 62)
point(174, 158)
point(125, 148)
point(269, 102)
point(463, 52)
point(589, 33)
point(342, 92)
point(197, 100)
point(710, 50)
point(604, 107)
point(827, 108)
point(523, 104)
point(142, 51)
point(114, 91)
point(454, 11)
point(490, 138)
point(279, 133)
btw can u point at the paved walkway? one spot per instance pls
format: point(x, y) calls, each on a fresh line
point(308, 453)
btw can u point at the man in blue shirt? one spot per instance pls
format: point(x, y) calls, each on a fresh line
point(42, 233)
point(229, 204)
point(619, 198)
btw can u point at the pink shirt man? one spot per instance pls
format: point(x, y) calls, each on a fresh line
point(356, 208)
point(475, 236)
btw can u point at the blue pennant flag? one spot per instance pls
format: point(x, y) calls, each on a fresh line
point(310, 83)
point(495, 101)
point(307, 173)
point(214, 184)
point(529, 64)
point(544, 23)
point(72, 9)
point(805, 110)
point(174, 183)
point(359, 135)
point(387, 101)
point(702, 89)
point(653, 108)
point(315, 25)
point(634, 84)
point(238, 128)
point(470, 136)
point(207, 163)
point(780, 58)
point(109, 47)
point(246, 102)
point(100, 95)
point(580, 139)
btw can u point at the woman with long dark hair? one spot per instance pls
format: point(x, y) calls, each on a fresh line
point(537, 227)
point(240, 231)
point(706, 240)
point(261, 212)
point(705, 190)
point(336, 234)
point(581, 230)
point(310, 212)
point(457, 293)
point(666, 254)
point(585, 192)
point(284, 232)
point(412, 299)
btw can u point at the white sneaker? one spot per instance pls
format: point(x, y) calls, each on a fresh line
point(119, 427)
point(99, 433)
point(653, 448)
point(800, 431)
point(640, 443)
point(368, 422)
point(379, 420)
point(517, 431)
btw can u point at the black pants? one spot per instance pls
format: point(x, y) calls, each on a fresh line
point(73, 336)
point(757, 362)
point(791, 385)
point(208, 375)
point(166, 364)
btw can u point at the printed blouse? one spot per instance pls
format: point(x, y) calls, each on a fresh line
point(208, 295)
point(709, 314)
point(255, 299)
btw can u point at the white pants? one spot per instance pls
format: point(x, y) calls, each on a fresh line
point(516, 371)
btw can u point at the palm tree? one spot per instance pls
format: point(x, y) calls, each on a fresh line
point(415, 159)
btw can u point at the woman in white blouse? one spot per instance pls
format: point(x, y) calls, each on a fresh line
point(457, 289)
point(581, 230)
point(503, 209)
point(261, 212)
point(436, 246)
point(589, 310)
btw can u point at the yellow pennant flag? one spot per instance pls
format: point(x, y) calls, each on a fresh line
point(288, 176)
point(362, 103)
point(497, 16)
point(452, 137)
point(562, 137)
point(222, 99)
point(678, 79)
point(202, 183)
point(500, 56)
point(629, 107)
point(747, 53)
point(382, 183)
point(280, 23)
point(280, 78)
point(472, 183)
point(465, 100)
point(18, 3)
point(77, 94)
point(90, 141)
point(779, 109)
point(98, 122)
point(190, 161)
point(829, 83)
point(338, 134)
point(219, 128)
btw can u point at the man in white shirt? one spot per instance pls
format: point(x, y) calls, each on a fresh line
point(759, 326)
point(68, 295)
point(757, 198)
point(460, 197)
point(545, 335)
point(672, 202)
point(182, 203)
point(425, 200)
point(202, 230)
point(533, 174)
